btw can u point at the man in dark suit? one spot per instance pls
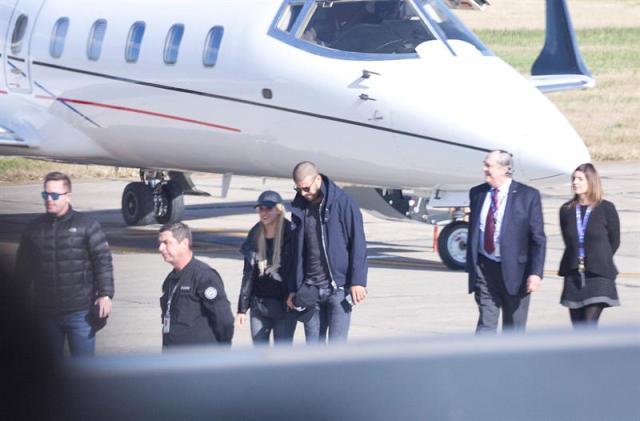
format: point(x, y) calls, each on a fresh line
point(506, 245)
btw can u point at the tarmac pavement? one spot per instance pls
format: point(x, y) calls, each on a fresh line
point(411, 293)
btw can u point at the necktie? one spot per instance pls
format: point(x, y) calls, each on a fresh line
point(490, 223)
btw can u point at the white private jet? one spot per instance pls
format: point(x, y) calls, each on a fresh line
point(393, 94)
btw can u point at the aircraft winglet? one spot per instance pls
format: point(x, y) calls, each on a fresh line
point(560, 65)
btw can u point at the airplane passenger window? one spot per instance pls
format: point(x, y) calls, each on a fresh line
point(18, 33)
point(58, 36)
point(212, 46)
point(172, 43)
point(96, 36)
point(289, 17)
point(133, 42)
point(374, 27)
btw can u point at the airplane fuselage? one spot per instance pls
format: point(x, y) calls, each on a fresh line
point(271, 100)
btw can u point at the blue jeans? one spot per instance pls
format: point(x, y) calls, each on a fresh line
point(269, 315)
point(75, 328)
point(332, 316)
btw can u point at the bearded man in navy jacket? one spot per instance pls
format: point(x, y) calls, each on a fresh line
point(329, 255)
point(506, 245)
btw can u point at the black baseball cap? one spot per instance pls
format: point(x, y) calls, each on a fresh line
point(268, 198)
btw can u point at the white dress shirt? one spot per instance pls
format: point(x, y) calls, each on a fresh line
point(503, 196)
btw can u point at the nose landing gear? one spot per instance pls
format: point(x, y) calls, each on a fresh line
point(452, 245)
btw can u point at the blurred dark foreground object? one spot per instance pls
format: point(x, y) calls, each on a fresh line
point(585, 375)
point(30, 374)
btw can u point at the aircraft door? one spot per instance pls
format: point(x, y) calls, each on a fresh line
point(17, 63)
point(6, 10)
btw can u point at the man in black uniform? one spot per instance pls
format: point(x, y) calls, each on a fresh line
point(195, 308)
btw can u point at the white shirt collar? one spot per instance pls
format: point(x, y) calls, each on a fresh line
point(504, 188)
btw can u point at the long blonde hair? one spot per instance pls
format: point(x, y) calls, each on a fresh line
point(594, 186)
point(261, 245)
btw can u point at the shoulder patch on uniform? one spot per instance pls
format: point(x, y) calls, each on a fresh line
point(210, 293)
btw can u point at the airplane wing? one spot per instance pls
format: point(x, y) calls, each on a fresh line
point(10, 138)
point(560, 65)
point(18, 129)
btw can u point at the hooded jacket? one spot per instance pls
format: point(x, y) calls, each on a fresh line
point(343, 238)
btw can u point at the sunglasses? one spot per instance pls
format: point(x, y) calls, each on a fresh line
point(304, 189)
point(53, 195)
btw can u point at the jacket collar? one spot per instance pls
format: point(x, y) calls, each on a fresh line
point(185, 270)
point(65, 217)
point(249, 245)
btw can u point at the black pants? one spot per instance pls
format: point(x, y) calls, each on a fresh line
point(492, 296)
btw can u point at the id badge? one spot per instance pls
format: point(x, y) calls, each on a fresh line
point(581, 266)
point(166, 323)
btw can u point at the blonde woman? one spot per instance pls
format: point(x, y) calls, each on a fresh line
point(266, 266)
point(591, 233)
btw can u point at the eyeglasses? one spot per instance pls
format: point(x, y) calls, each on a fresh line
point(53, 195)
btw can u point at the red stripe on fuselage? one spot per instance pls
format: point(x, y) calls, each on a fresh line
point(139, 111)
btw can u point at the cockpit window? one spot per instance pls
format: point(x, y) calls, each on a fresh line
point(289, 16)
point(373, 27)
point(450, 26)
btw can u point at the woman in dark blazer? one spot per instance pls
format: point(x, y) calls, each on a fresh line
point(265, 276)
point(589, 272)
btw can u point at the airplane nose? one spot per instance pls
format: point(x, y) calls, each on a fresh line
point(549, 147)
point(525, 122)
point(478, 104)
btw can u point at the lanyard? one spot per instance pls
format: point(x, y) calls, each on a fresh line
point(581, 226)
point(173, 291)
point(166, 322)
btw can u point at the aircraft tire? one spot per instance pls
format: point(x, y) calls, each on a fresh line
point(174, 200)
point(137, 204)
point(452, 245)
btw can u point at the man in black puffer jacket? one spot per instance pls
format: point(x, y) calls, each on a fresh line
point(64, 265)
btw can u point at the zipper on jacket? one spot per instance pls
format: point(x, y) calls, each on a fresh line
point(54, 230)
point(324, 244)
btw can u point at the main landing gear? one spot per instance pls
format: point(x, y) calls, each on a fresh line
point(154, 199)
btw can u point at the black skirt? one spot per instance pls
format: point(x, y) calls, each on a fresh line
point(597, 290)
